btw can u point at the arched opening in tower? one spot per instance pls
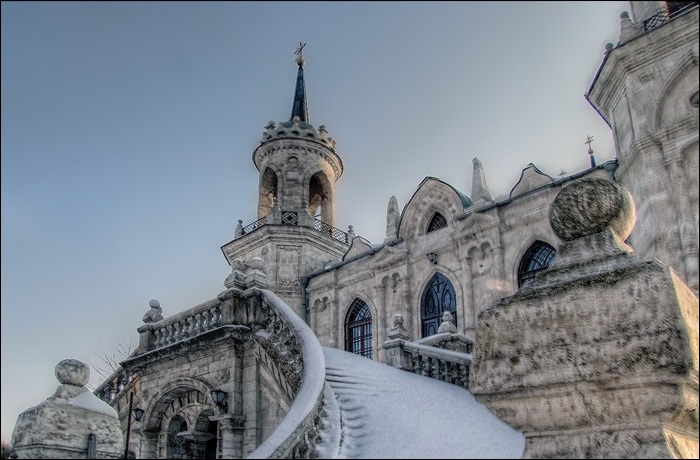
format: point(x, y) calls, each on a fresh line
point(268, 192)
point(321, 198)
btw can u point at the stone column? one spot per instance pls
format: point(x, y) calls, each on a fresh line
point(148, 446)
point(250, 390)
point(334, 324)
point(686, 226)
point(162, 445)
point(381, 294)
point(405, 289)
point(313, 313)
point(470, 313)
point(231, 429)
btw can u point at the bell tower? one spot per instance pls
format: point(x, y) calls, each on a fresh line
point(298, 164)
point(294, 233)
point(647, 91)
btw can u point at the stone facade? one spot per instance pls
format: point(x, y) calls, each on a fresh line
point(478, 251)
point(647, 91)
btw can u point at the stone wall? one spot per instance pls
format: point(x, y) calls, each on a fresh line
point(598, 358)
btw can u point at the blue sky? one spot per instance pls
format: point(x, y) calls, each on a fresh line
point(128, 129)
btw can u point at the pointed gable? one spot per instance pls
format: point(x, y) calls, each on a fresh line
point(432, 196)
point(530, 179)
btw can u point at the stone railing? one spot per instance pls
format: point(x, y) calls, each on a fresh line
point(114, 386)
point(189, 323)
point(438, 363)
point(444, 356)
point(300, 357)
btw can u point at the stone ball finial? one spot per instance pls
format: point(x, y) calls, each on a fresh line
point(625, 15)
point(155, 314)
point(609, 47)
point(590, 206)
point(72, 372)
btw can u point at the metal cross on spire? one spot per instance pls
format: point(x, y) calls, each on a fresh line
point(589, 141)
point(299, 50)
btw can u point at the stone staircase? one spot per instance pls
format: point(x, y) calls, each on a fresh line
point(371, 410)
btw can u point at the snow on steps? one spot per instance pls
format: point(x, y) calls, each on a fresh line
point(372, 410)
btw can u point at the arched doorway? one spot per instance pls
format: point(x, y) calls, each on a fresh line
point(177, 444)
point(438, 297)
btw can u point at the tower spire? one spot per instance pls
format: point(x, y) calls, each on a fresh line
point(299, 107)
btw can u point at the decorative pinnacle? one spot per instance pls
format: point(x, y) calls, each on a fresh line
point(298, 53)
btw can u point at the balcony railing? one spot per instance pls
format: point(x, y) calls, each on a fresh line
point(331, 231)
point(665, 16)
point(255, 225)
point(292, 218)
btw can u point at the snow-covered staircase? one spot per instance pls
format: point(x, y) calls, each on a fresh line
point(371, 410)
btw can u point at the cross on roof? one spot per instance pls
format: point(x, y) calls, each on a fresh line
point(300, 48)
point(589, 140)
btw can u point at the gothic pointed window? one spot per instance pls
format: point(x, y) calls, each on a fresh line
point(538, 257)
point(438, 221)
point(358, 329)
point(438, 297)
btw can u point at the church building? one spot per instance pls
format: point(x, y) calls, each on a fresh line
point(581, 335)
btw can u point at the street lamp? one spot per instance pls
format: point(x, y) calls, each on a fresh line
point(220, 399)
point(138, 414)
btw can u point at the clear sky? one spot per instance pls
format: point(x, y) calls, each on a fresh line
point(128, 130)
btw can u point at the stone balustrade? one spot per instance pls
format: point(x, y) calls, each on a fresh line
point(444, 356)
point(114, 386)
point(300, 357)
point(438, 363)
point(192, 322)
point(182, 326)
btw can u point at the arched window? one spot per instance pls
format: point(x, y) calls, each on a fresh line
point(438, 221)
point(538, 257)
point(268, 192)
point(358, 329)
point(321, 198)
point(438, 297)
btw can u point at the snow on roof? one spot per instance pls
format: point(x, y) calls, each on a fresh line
point(391, 413)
